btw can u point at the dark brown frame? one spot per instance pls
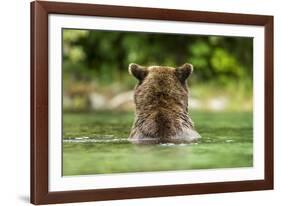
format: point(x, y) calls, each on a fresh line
point(39, 102)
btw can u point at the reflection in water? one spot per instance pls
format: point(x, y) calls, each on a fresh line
point(96, 143)
point(108, 154)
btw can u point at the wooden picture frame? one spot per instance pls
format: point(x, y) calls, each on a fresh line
point(40, 107)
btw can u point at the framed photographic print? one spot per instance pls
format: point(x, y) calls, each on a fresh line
point(131, 102)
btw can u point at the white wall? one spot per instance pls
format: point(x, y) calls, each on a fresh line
point(14, 102)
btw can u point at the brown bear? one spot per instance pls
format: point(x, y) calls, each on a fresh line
point(161, 100)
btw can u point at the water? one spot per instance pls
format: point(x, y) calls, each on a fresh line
point(96, 143)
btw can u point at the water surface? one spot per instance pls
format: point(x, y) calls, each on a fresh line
point(96, 143)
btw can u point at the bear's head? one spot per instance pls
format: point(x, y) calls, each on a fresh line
point(161, 86)
point(161, 100)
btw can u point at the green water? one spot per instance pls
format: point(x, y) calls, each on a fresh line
point(95, 143)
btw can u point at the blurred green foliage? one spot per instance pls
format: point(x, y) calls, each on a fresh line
point(96, 62)
point(103, 56)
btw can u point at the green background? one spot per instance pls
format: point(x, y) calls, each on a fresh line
point(97, 62)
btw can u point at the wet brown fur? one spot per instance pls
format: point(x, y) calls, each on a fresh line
point(161, 99)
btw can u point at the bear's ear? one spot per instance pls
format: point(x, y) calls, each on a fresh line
point(184, 71)
point(138, 71)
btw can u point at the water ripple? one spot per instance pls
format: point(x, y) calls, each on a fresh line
point(104, 139)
